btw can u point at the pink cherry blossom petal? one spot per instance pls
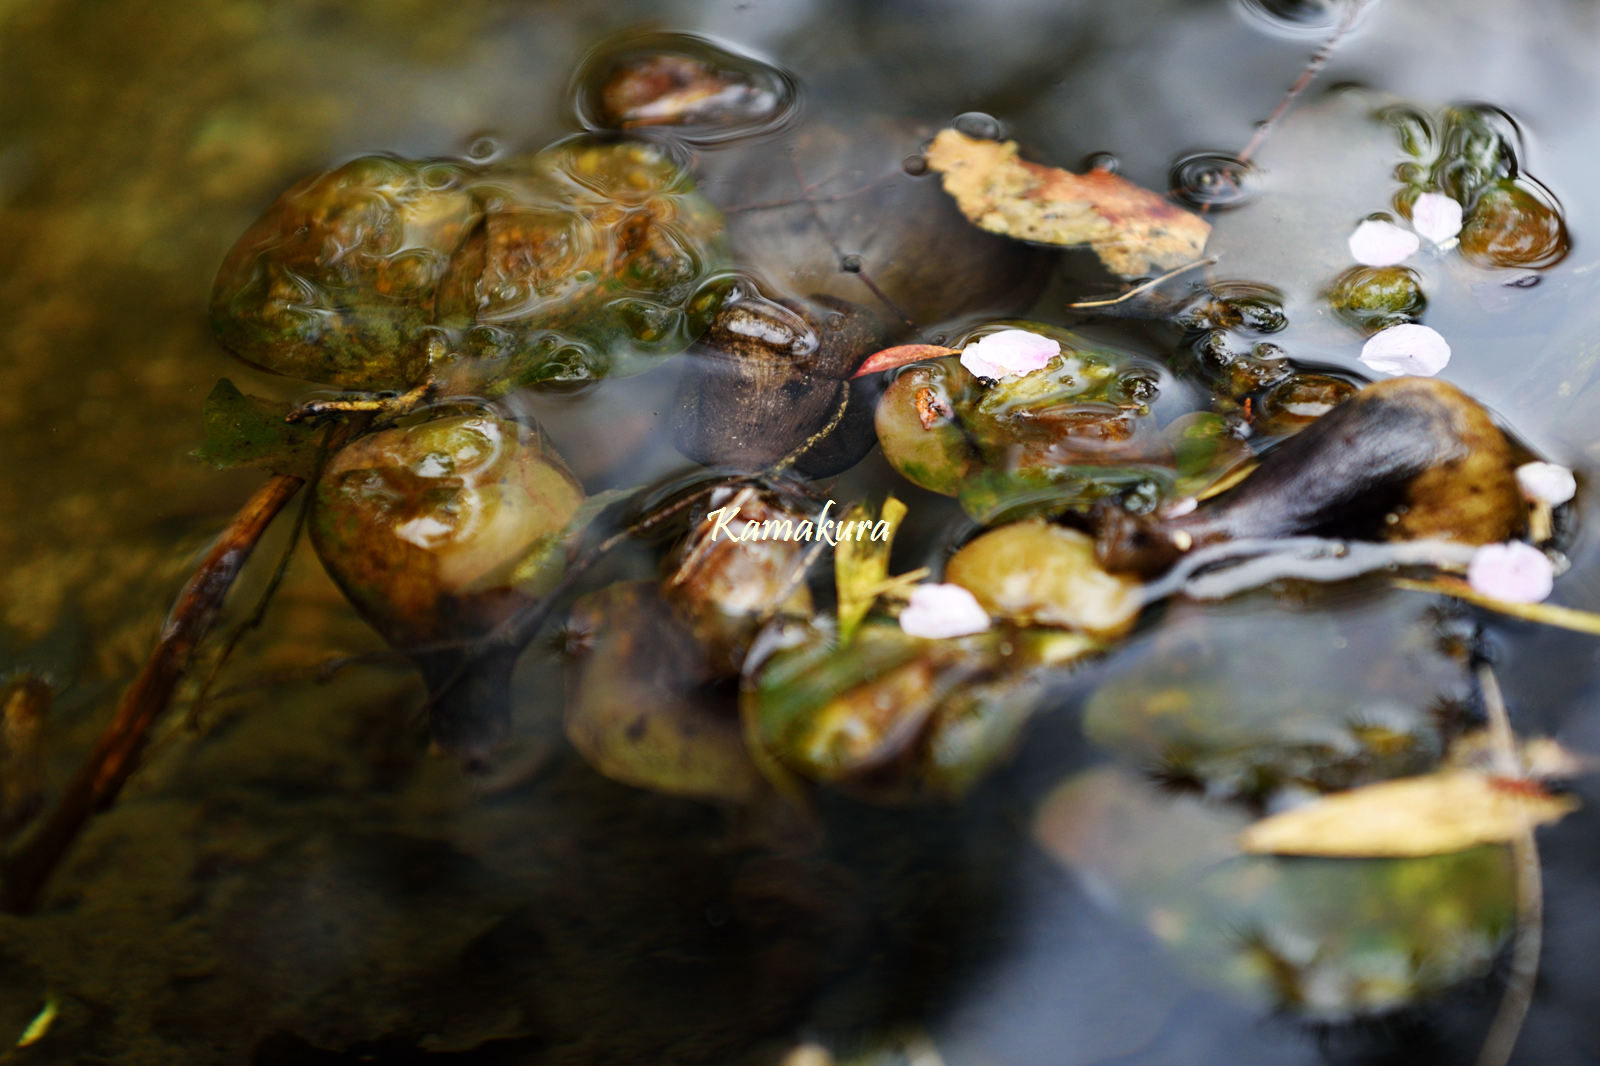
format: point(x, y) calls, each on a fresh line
point(943, 611)
point(1546, 483)
point(1009, 353)
point(1380, 244)
point(1514, 571)
point(1436, 216)
point(1406, 349)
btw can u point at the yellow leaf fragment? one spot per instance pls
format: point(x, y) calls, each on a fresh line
point(1132, 230)
point(39, 1028)
point(1435, 814)
point(861, 566)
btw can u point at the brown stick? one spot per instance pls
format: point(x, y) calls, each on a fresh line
point(1313, 67)
point(1319, 59)
point(117, 753)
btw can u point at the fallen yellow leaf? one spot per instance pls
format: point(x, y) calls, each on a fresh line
point(861, 567)
point(1414, 816)
point(1131, 229)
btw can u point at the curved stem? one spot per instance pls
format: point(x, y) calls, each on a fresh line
point(1525, 949)
point(116, 755)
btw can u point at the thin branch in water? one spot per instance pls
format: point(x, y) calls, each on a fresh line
point(1547, 614)
point(1525, 950)
point(1313, 67)
point(116, 754)
point(807, 197)
point(861, 274)
point(1319, 59)
point(797, 453)
point(1143, 287)
point(318, 673)
point(257, 616)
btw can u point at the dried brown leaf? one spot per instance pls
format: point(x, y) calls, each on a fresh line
point(1132, 230)
point(1430, 815)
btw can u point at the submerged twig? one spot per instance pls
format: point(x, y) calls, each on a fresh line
point(1313, 67)
point(861, 274)
point(116, 754)
point(256, 617)
point(24, 709)
point(1525, 949)
point(318, 673)
point(1547, 614)
point(1142, 287)
point(798, 452)
point(1319, 59)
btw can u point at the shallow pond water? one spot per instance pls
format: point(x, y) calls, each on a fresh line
point(292, 877)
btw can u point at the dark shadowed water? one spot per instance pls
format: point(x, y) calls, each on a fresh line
point(295, 880)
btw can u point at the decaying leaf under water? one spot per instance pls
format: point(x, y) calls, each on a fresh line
point(1134, 231)
point(425, 527)
point(1256, 701)
point(1329, 940)
point(638, 707)
point(1435, 814)
point(251, 431)
point(1404, 459)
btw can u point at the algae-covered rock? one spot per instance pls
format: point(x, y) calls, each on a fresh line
point(439, 531)
point(1079, 430)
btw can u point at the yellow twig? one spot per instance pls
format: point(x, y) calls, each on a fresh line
point(1548, 614)
point(1144, 286)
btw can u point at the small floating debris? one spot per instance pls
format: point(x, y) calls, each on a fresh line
point(943, 611)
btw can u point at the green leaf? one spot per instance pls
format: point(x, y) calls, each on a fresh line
point(250, 431)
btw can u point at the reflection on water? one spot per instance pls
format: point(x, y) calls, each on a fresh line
point(301, 876)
